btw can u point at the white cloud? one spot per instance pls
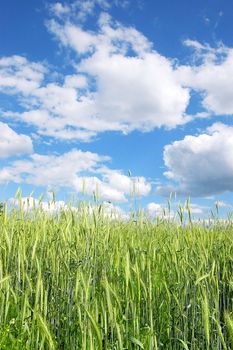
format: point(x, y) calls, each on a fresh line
point(17, 74)
point(7, 175)
point(194, 44)
point(122, 3)
point(223, 204)
point(212, 75)
point(30, 203)
point(58, 9)
point(163, 211)
point(82, 9)
point(155, 208)
point(77, 170)
point(106, 209)
point(114, 212)
point(113, 186)
point(158, 210)
point(56, 170)
point(74, 36)
point(13, 144)
point(121, 83)
point(126, 184)
point(197, 209)
point(115, 65)
point(92, 184)
point(121, 76)
point(76, 81)
point(162, 101)
point(201, 165)
point(79, 9)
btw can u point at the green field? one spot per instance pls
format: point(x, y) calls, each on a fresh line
point(84, 281)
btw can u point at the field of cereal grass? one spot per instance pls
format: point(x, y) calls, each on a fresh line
point(82, 280)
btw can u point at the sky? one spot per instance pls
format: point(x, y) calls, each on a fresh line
point(130, 98)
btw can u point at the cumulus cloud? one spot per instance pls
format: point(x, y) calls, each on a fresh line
point(155, 209)
point(126, 184)
point(106, 209)
point(212, 76)
point(77, 170)
point(30, 203)
point(163, 211)
point(18, 75)
point(13, 144)
point(115, 65)
point(223, 204)
point(120, 82)
point(197, 209)
point(114, 212)
point(124, 66)
point(52, 207)
point(200, 165)
point(159, 210)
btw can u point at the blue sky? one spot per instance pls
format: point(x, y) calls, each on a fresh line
point(92, 89)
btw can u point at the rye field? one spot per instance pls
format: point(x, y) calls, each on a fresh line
point(84, 280)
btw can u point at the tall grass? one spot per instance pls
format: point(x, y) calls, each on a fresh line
point(84, 281)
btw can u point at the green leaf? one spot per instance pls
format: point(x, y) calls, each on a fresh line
point(137, 342)
point(202, 278)
point(184, 344)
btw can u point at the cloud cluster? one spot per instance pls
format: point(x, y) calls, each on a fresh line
point(200, 165)
point(120, 84)
point(28, 204)
point(158, 210)
point(212, 76)
point(78, 171)
point(79, 9)
point(18, 75)
point(155, 209)
point(13, 144)
point(124, 67)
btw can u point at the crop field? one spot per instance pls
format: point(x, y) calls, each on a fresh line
point(77, 280)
